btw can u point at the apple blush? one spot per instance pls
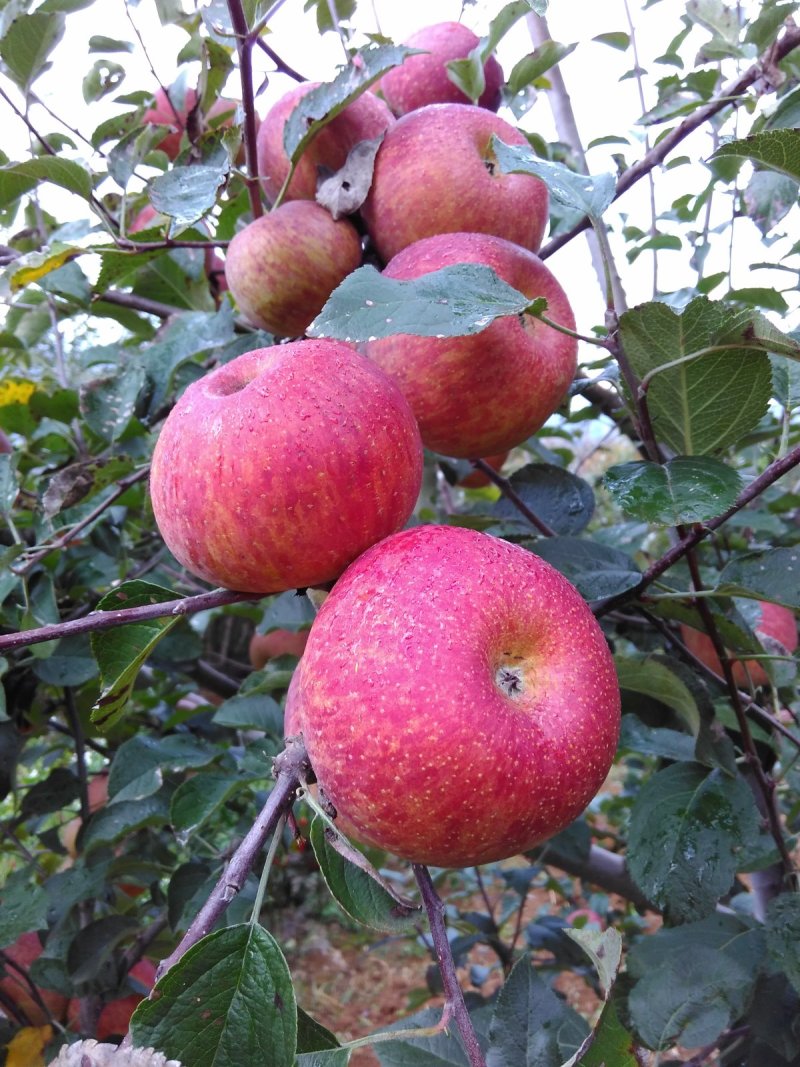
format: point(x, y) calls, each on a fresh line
point(279, 468)
point(457, 698)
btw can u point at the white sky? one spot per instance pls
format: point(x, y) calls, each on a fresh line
point(602, 103)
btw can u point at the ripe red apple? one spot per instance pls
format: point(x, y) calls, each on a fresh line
point(435, 173)
point(458, 700)
point(25, 950)
point(282, 267)
point(481, 394)
point(264, 647)
point(278, 468)
point(362, 120)
point(776, 630)
point(174, 110)
point(114, 1020)
point(422, 79)
point(477, 479)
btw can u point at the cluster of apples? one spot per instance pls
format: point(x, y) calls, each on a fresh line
point(456, 696)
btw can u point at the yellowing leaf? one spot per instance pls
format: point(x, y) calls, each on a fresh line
point(36, 265)
point(26, 1048)
point(15, 392)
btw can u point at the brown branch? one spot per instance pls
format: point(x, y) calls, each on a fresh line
point(508, 490)
point(726, 97)
point(244, 47)
point(289, 767)
point(107, 620)
point(602, 868)
point(773, 472)
point(280, 64)
point(447, 966)
point(137, 303)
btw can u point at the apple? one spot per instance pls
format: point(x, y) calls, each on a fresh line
point(114, 1019)
point(362, 120)
point(25, 950)
point(277, 469)
point(477, 479)
point(145, 218)
point(458, 700)
point(423, 79)
point(264, 647)
point(282, 267)
point(174, 111)
point(776, 629)
point(485, 393)
point(435, 173)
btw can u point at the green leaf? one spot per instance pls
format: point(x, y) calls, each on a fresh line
point(311, 1035)
point(9, 486)
point(104, 77)
point(759, 296)
point(443, 1049)
point(241, 712)
point(451, 302)
point(536, 63)
point(589, 194)
point(656, 741)
point(58, 790)
point(711, 400)
point(693, 981)
point(783, 936)
point(186, 194)
point(604, 949)
point(598, 571)
point(683, 490)
point(196, 799)
point(615, 39)
point(115, 821)
point(94, 944)
point(468, 74)
point(139, 763)
point(507, 17)
point(229, 1001)
point(561, 499)
point(778, 150)
point(611, 1043)
point(23, 907)
point(16, 179)
point(527, 1019)
point(71, 663)
point(122, 651)
point(27, 44)
point(108, 403)
point(98, 43)
point(316, 109)
point(768, 198)
point(687, 826)
point(359, 893)
point(770, 575)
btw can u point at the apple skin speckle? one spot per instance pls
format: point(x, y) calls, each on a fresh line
point(408, 731)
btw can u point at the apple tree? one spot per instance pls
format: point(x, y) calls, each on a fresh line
point(607, 391)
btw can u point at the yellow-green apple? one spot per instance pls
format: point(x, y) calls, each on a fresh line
point(776, 629)
point(25, 950)
point(423, 79)
point(435, 172)
point(485, 393)
point(174, 110)
point(264, 647)
point(457, 698)
point(279, 468)
point(477, 479)
point(282, 267)
point(364, 119)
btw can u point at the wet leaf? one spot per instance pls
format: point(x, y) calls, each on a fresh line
point(561, 499)
point(683, 490)
point(589, 194)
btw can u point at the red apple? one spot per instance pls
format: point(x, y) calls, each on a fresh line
point(264, 647)
point(485, 393)
point(174, 110)
point(362, 120)
point(477, 479)
point(776, 630)
point(435, 173)
point(423, 79)
point(458, 700)
point(25, 950)
point(282, 267)
point(115, 1017)
point(278, 468)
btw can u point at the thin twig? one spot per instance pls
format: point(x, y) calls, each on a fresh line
point(508, 490)
point(447, 966)
point(244, 48)
point(731, 94)
point(107, 620)
point(281, 65)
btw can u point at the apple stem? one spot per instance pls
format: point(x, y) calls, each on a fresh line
point(447, 966)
